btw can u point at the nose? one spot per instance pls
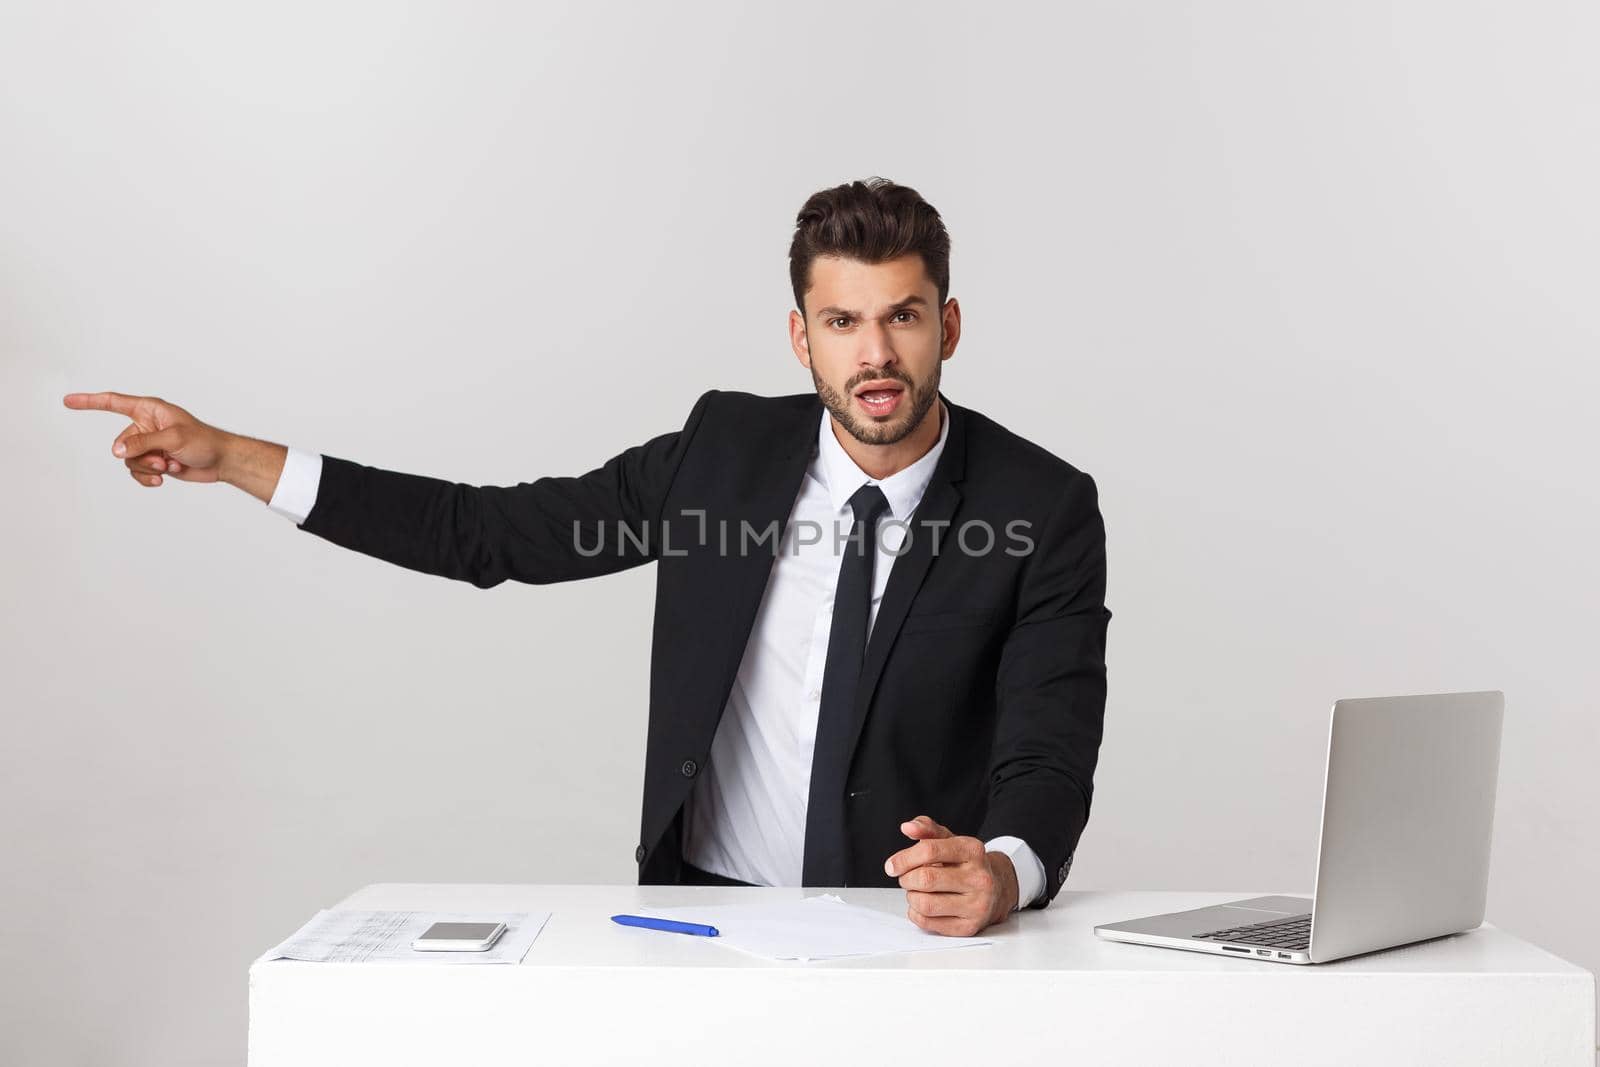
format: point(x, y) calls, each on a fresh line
point(876, 352)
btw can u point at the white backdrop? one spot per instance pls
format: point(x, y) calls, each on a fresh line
point(1309, 289)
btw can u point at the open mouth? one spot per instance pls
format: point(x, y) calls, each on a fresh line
point(880, 398)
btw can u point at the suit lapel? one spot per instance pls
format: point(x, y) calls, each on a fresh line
point(776, 487)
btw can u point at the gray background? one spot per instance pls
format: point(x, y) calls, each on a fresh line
point(1310, 289)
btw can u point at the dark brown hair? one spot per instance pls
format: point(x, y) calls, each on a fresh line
point(871, 221)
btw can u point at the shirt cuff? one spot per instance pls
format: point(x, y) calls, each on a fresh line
point(296, 492)
point(1030, 870)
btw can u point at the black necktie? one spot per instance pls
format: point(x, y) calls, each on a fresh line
point(825, 852)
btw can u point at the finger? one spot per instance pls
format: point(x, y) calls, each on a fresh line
point(932, 905)
point(909, 858)
point(942, 878)
point(932, 850)
point(131, 444)
point(151, 461)
point(119, 444)
point(121, 403)
point(151, 480)
point(949, 927)
point(923, 827)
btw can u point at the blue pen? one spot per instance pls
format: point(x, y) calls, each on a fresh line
point(669, 925)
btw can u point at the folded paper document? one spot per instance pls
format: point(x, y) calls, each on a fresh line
point(821, 927)
point(386, 936)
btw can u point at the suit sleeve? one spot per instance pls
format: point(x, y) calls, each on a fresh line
point(1051, 689)
point(552, 529)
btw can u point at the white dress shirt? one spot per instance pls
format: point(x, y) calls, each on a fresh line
point(746, 814)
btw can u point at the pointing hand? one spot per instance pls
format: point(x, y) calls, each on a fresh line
point(161, 439)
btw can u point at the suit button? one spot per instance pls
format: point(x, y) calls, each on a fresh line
point(689, 767)
point(638, 854)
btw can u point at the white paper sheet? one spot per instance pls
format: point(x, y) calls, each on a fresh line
point(335, 936)
point(821, 927)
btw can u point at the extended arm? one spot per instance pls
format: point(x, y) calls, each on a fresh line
point(552, 529)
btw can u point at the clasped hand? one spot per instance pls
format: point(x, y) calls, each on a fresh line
point(953, 885)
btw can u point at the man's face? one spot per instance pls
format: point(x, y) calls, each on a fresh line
point(874, 339)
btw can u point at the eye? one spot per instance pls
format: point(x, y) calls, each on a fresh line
point(840, 319)
point(913, 314)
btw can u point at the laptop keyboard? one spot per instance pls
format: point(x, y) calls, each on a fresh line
point(1291, 933)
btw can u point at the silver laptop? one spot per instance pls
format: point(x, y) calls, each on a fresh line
point(1407, 811)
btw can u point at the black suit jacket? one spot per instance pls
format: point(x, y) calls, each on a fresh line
point(983, 689)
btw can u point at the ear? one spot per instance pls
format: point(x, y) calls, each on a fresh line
point(950, 324)
point(798, 339)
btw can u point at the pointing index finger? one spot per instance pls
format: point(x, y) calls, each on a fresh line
point(121, 403)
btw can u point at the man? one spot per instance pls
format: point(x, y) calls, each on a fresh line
point(879, 615)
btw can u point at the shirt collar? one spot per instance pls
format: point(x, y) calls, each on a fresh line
point(903, 488)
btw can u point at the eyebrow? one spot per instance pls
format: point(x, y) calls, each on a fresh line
point(833, 312)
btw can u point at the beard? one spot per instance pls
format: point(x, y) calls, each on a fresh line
point(918, 399)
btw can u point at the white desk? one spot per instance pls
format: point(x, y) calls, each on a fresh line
point(1048, 991)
